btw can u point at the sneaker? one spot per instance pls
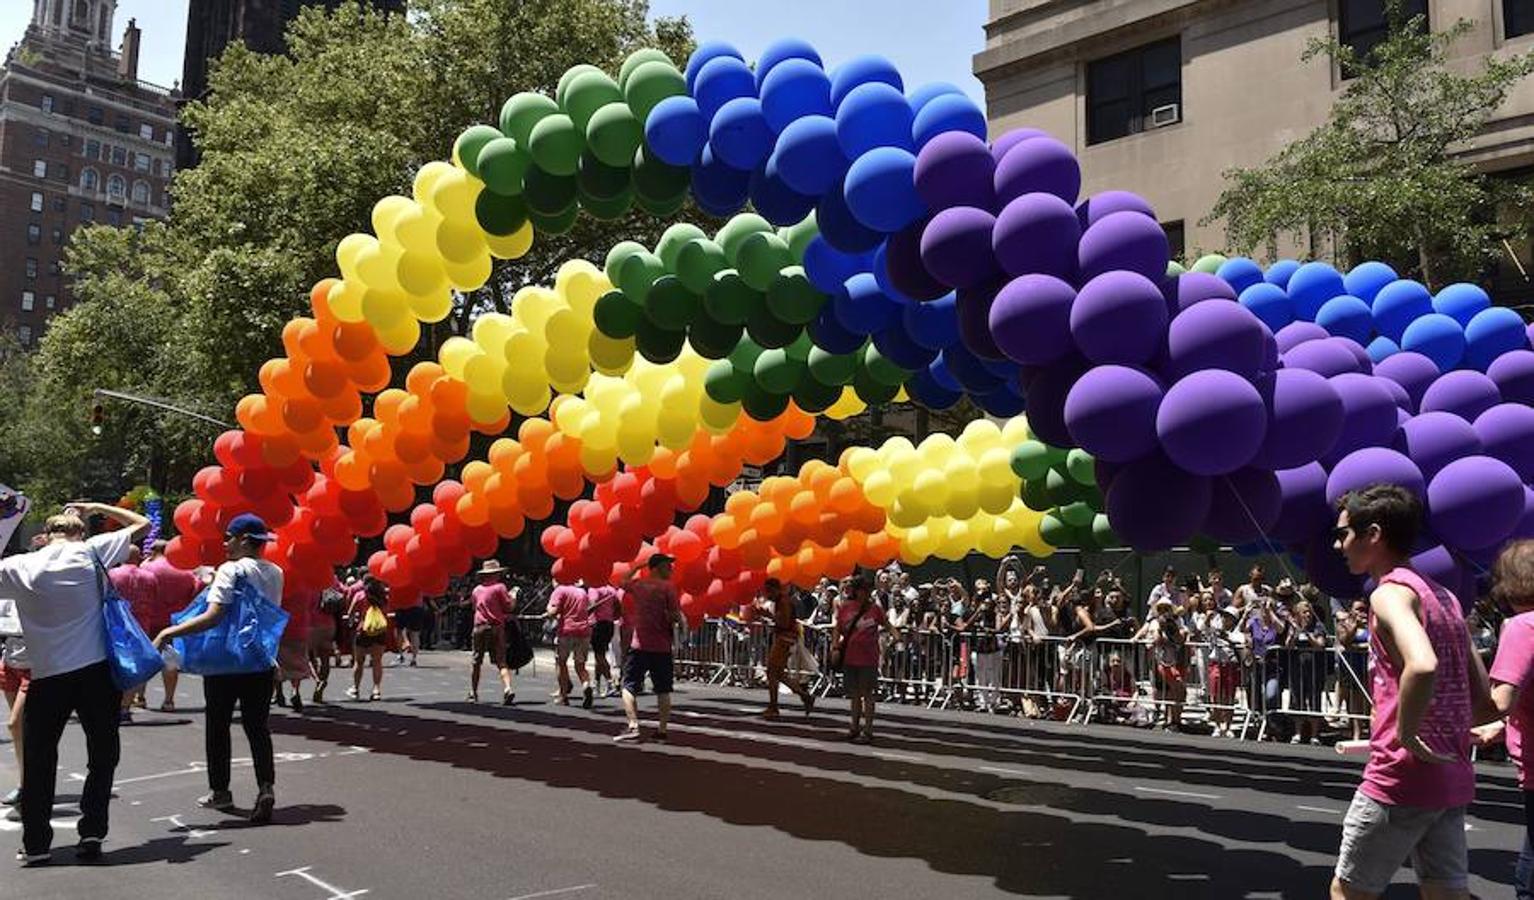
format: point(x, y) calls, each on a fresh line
point(613, 692)
point(864, 738)
point(125, 717)
point(412, 662)
point(563, 701)
point(852, 736)
point(223, 801)
point(400, 660)
point(472, 698)
point(266, 801)
point(1295, 739)
point(351, 694)
point(769, 713)
point(280, 699)
point(661, 735)
point(319, 693)
point(1315, 742)
point(508, 697)
point(586, 698)
point(140, 702)
point(808, 699)
point(11, 799)
point(298, 702)
point(88, 850)
point(376, 695)
point(168, 706)
point(29, 860)
point(631, 736)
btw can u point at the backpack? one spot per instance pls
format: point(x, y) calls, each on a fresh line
point(374, 622)
point(330, 601)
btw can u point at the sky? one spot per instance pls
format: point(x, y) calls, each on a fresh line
point(923, 46)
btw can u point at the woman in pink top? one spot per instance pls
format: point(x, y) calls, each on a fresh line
point(1513, 589)
point(858, 622)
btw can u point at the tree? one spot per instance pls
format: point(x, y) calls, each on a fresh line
point(1382, 177)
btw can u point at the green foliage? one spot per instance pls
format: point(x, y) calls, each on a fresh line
point(1382, 177)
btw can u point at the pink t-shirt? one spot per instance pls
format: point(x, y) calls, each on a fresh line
point(492, 604)
point(603, 602)
point(655, 604)
point(1514, 665)
point(177, 587)
point(569, 603)
point(142, 592)
point(299, 605)
point(1393, 776)
point(862, 647)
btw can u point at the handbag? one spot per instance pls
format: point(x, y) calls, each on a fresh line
point(243, 641)
point(130, 653)
point(518, 651)
point(839, 646)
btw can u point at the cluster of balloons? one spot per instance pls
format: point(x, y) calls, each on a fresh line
point(243, 481)
point(702, 592)
point(420, 557)
point(1062, 484)
point(942, 476)
point(765, 380)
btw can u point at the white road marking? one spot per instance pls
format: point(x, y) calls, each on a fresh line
point(1151, 790)
point(565, 890)
point(335, 892)
point(184, 828)
point(1318, 809)
point(897, 757)
point(58, 824)
point(1000, 771)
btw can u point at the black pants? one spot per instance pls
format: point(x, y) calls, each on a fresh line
point(253, 692)
point(50, 701)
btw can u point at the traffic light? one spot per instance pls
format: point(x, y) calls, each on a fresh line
point(97, 416)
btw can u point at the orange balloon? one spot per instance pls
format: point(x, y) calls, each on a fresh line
point(804, 508)
point(317, 443)
point(845, 495)
point(396, 496)
point(353, 341)
point(412, 447)
point(302, 414)
point(428, 471)
point(372, 372)
point(473, 508)
point(387, 404)
point(280, 450)
point(352, 472)
point(508, 522)
point(475, 474)
point(422, 376)
point(504, 453)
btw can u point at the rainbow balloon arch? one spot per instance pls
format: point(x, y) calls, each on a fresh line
point(892, 255)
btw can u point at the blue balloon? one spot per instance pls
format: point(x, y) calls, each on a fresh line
point(1438, 337)
point(1347, 316)
point(829, 268)
point(839, 227)
point(860, 307)
point(925, 389)
point(1382, 348)
point(947, 112)
point(897, 346)
point(829, 335)
point(965, 367)
point(1269, 303)
point(783, 50)
point(1366, 279)
point(861, 70)
point(809, 157)
point(701, 56)
point(794, 89)
point(721, 80)
point(720, 190)
point(1312, 285)
point(739, 134)
point(776, 201)
point(921, 96)
point(943, 376)
point(873, 115)
point(1491, 333)
point(881, 190)
point(1240, 273)
point(933, 324)
point(1280, 272)
point(1461, 302)
point(676, 131)
point(1003, 402)
point(1397, 305)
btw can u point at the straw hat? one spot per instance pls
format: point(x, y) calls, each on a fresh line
point(493, 567)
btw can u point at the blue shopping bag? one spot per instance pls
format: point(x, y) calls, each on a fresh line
point(130, 653)
point(244, 640)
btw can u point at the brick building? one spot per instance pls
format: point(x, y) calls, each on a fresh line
point(82, 140)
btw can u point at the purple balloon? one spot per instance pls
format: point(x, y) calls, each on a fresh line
point(1031, 319)
point(1037, 233)
point(1369, 414)
point(1216, 336)
point(1119, 317)
point(1006, 142)
point(1403, 399)
point(1432, 440)
point(1475, 502)
point(1111, 413)
point(1415, 372)
point(1042, 164)
point(1212, 422)
point(1328, 356)
point(1513, 374)
point(1189, 288)
point(1506, 432)
point(956, 169)
point(1046, 395)
point(1153, 505)
point(903, 266)
point(1524, 530)
point(1245, 505)
point(1359, 351)
point(1373, 465)
point(1297, 333)
point(1465, 393)
point(1305, 418)
point(975, 321)
point(1440, 567)
point(1304, 511)
point(1124, 240)
point(1106, 203)
point(956, 247)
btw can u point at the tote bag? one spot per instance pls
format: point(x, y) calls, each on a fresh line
point(130, 653)
point(244, 640)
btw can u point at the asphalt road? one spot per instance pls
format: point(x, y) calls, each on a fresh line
point(424, 796)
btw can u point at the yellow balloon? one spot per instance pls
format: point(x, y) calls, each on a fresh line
point(459, 244)
point(426, 180)
point(997, 499)
point(930, 485)
point(420, 273)
point(861, 463)
point(486, 408)
point(350, 250)
point(455, 355)
point(610, 356)
point(346, 300)
point(492, 330)
point(717, 417)
point(387, 213)
point(880, 488)
point(469, 276)
point(996, 469)
point(433, 307)
point(400, 337)
point(511, 246)
point(384, 309)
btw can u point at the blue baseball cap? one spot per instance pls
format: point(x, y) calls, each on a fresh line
point(249, 525)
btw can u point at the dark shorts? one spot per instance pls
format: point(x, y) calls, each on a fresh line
point(364, 641)
point(860, 681)
point(601, 636)
point(641, 662)
point(490, 639)
point(410, 619)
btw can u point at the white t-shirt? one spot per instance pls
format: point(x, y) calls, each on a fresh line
point(58, 598)
point(263, 574)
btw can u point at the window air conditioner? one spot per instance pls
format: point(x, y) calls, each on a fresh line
point(1163, 116)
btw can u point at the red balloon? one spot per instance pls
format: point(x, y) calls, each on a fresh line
point(258, 484)
point(421, 516)
point(396, 537)
point(183, 553)
point(686, 546)
point(447, 494)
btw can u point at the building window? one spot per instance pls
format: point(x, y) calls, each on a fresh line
point(50, 301)
point(53, 267)
point(31, 267)
point(46, 104)
point(39, 168)
point(95, 116)
point(114, 218)
point(58, 236)
point(1363, 24)
point(92, 149)
point(90, 181)
point(146, 131)
point(117, 187)
point(1517, 18)
point(61, 171)
point(1123, 90)
point(60, 204)
point(141, 193)
point(141, 162)
point(66, 140)
point(123, 125)
point(37, 201)
point(1176, 238)
point(40, 137)
point(87, 212)
point(119, 156)
point(24, 333)
point(28, 300)
point(34, 233)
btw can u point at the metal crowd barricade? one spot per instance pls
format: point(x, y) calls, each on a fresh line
point(1038, 676)
point(1308, 682)
point(1123, 686)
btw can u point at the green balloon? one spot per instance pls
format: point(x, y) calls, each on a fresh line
point(832, 369)
point(762, 405)
point(1082, 537)
point(616, 316)
point(1209, 263)
point(1078, 514)
point(650, 83)
point(1054, 531)
point(522, 112)
point(1061, 489)
point(760, 258)
point(638, 58)
point(697, 262)
point(881, 370)
point(1102, 532)
point(556, 224)
point(743, 357)
point(1174, 269)
point(801, 347)
point(814, 397)
point(729, 300)
point(670, 305)
point(792, 297)
point(735, 232)
point(556, 145)
point(502, 165)
point(598, 179)
point(608, 209)
point(1056, 456)
point(473, 139)
point(777, 372)
point(613, 134)
point(1030, 460)
point(671, 242)
point(548, 194)
point(769, 331)
point(572, 73)
point(585, 94)
point(1079, 465)
point(723, 384)
point(1036, 495)
point(656, 344)
point(663, 209)
point(615, 257)
point(799, 235)
point(713, 340)
point(637, 273)
point(499, 214)
point(872, 391)
point(658, 182)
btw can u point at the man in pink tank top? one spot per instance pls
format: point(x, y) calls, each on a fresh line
point(1425, 680)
